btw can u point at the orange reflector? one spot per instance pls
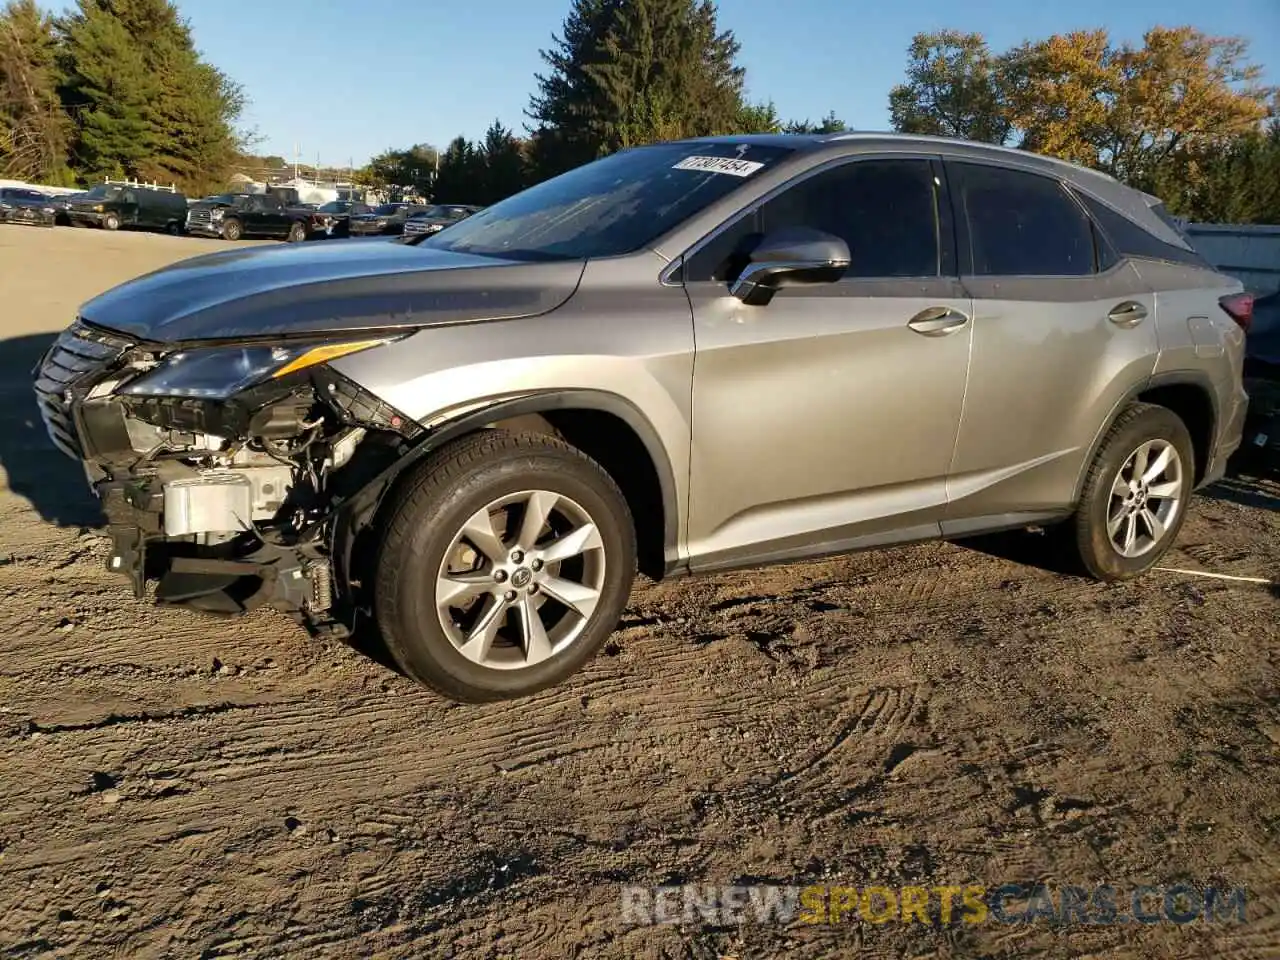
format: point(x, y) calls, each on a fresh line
point(323, 354)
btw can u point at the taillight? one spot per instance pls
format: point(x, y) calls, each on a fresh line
point(1239, 307)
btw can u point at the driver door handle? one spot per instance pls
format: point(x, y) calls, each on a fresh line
point(937, 321)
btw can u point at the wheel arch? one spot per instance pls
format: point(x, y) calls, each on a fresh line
point(1189, 394)
point(605, 426)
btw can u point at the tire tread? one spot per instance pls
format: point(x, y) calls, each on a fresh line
point(438, 474)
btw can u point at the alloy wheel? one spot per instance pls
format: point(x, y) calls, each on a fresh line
point(519, 582)
point(1145, 498)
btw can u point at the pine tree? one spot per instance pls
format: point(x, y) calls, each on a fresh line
point(462, 172)
point(625, 72)
point(34, 128)
point(179, 110)
point(108, 91)
point(504, 172)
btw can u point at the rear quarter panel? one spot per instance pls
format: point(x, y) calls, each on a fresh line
point(1199, 342)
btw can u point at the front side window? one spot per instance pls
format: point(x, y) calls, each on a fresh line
point(616, 205)
point(887, 211)
point(1021, 224)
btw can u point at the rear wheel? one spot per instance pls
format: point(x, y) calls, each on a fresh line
point(111, 222)
point(173, 228)
point(1135, 496)
point(505, 564)
point(297, 232)
point(231, 229)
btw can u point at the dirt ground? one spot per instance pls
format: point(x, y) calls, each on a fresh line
point(175, 786)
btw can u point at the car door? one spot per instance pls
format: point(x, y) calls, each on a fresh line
point(129, 212)
point(276, 216)
point(827, 418)
point(1062, 329)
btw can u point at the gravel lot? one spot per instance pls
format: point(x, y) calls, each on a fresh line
point(175, 786)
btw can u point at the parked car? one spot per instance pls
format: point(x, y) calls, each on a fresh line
point(112, 205)
point(24, 205)
point(1261, 448)
point(385, 220)
point(235, 215)
point(474, 439)
point(337, 215)
point(61, 203)
point(436, 217)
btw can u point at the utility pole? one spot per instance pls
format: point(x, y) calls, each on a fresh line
point(297, 156)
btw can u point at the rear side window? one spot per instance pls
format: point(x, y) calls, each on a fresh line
point(1021, 224)
point(1131, 240)
point(887, 211)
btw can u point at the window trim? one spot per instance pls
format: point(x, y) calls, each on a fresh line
point(964, 241)
point(1083, 198)
point(672, 274)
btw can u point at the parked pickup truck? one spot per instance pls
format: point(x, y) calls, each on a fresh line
point(235, 215)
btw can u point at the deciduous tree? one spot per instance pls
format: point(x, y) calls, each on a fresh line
point(34, 128)
point(955, 87)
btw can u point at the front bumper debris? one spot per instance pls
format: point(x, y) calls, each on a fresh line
point(228, 505)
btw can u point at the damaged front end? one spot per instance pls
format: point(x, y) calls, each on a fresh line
point(220, 466)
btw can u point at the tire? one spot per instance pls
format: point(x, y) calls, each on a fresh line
point(111, 222)
point(427, 526)
point(297, 232)
point(173, 228)
point(1108, 498)
point(232, 229)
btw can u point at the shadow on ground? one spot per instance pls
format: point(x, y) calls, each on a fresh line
point(1043, 549)
point(36, 470)
point(1246, 490)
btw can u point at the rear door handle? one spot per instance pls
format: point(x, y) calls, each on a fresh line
point(1127, 314)
point(937, 321)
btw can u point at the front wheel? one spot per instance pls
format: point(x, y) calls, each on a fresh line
point(232, 230)
point(297, 232)
point(1136, 494)
point(111, 222)
point(506, 562)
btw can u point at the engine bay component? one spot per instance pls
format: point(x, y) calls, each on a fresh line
point(210, 503)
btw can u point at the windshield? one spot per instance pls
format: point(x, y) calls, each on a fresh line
point(612, 206)
point(335, 206)
point(387, 209)
point(103, 192)
point(437, 212)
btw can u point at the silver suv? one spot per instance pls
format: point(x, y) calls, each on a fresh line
point(685, 357)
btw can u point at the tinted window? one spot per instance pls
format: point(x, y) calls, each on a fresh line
point(1133, 241)
point(1021, 224)
point(887, 211)
point(613, 206)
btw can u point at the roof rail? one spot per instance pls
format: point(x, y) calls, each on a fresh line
point(172, 188)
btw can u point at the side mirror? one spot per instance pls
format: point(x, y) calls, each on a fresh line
point(792, 256)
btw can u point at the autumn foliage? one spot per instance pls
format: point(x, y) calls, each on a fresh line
point(1182, 115)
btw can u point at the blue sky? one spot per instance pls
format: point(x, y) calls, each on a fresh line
point(346, 79)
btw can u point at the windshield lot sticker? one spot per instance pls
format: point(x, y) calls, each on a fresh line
point(729, 165)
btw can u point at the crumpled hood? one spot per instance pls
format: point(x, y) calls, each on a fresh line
point(327, 286)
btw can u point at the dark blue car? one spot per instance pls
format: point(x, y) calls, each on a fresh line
point(24, 205)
